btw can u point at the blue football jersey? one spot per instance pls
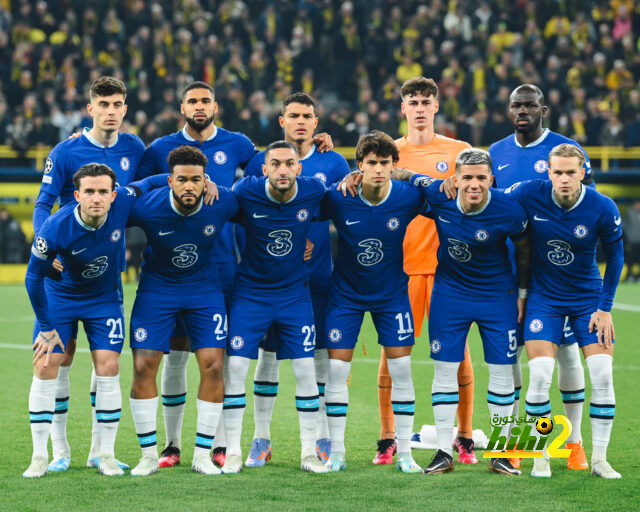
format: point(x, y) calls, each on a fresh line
point(330, 167)
point(225, 151)
point(180, 248)
point(68, 156)
point(473, 259)
point(276, 234)
point(512, 162)
point(369, 263)
point(564, 242)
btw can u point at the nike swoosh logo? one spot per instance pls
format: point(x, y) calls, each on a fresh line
point(406, 336)
point(403, 407)
point(350, 222)
point(220, 338)
point(256, 216)
point(309, 404)
point(443, 220)
point(78, 252)
point(541, 219)
point(511, 354)
point(163, 233)
point(617, 221)
point(116, 342)
point(308, 349)
point(500, 167)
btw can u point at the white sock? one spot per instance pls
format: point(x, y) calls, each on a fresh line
point(571, 384)
point(321, 361)
point(265, 392)
point(500, 393)
point(108, 410)
point(307, 403)
point(337, 402)
point(220, 441)
point(444, 399)
point(42, 403)
point(537, 400)
point(235, 402)
point(403, 400)
point(144, 412)
point(174, 395)
point(603, 403)
point(94, 450)
point(208, 419)
point(59, 443)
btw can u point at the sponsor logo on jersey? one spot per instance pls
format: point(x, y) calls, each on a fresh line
point(435, 346)
point(48, 166)
point(220, 157)
point(140, 334)
point(115, 235)
point(41, 245)
point(208, 230)
point(335, 335)
point(321, 176)
point(393, 223)
point(536, 325)
point(481, 235)
point(302, 215)
point(442, 166)
point(237, 342)
point(125, 164)
point(580, 231)
point(541, 166)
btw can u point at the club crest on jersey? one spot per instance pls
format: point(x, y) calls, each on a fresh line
point(393, 223)
point(481, 235)
point(321, 176)
point(237, 342)
point(536, 325)
point(125, 164)
point(335, 335)
point(140, 334)
point(302, 215)
point(220, 157)
point(541, 166)
point(208, 230)
point(48, 166)
point(580, 231)
point(435, 346)
point(41, 245)
point(442, 166)
point(115, 235)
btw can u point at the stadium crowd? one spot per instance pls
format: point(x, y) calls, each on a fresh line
point(351, 56)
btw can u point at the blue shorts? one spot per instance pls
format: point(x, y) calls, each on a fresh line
point(551, 320)
point(155, 311)
point(450, 319)
point(319, 303)
point(103, 323)
point(289, 317)
point(392, 319)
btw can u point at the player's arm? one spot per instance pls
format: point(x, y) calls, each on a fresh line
point(147, 184)
point(53, 179)
point(148, 165)
point(523, 271)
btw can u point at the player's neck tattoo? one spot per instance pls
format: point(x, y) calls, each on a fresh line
point(568, 202)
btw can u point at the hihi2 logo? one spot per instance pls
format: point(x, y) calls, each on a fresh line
point(525, 444)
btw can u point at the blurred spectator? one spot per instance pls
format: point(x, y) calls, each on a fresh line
point(631, 231)
point(13, 244)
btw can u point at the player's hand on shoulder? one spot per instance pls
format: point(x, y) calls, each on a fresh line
point(448, 186)
point(45, 343)
point(308, 250)
point(350, 183)
point(603, 323)
point(323, 142)
point(210, 192)
point(74, 135)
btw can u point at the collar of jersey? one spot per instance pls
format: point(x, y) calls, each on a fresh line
point(311, 152)
point(173, 206)
point(477, 212)
point(271, 198)
point(367, 202)
point(545, 132)
point(76, 214)
point(85, 133)
point(582, 193)
point(191, 139)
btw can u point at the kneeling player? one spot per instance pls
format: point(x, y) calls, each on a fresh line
point(371, 228)
point(567, 222)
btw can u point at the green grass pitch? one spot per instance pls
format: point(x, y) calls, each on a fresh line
point(281, 485)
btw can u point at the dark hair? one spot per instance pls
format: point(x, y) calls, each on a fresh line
point(106, 86)
point(378, 143)
point(419, 85)
point(299, 97)
point(277, 145)
point(94, 170)
point(186, 155)
point(196, 85)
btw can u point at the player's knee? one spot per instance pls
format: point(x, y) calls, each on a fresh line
point(69, 352)
point(303, 369)
point(400, 370)
point(107, 366)
point(384, 381)
point(541, 372)
point(600, 371)
point(144, 367)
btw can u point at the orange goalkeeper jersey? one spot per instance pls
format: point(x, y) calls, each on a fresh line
point(436, 159)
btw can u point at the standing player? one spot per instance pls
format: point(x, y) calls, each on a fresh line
point(567, 221)
point(299, 120)
point(178, 279)
point(87, 237)
point(103, 143)
point(524, 156)
point(271, 291)
point(424, 151)
point(371, 229)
